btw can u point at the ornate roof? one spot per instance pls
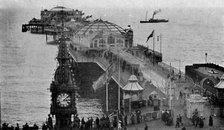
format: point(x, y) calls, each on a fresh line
point(100, 25)
point(133, 84)
point(60, 8)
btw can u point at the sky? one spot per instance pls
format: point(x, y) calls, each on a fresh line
point(111, 3)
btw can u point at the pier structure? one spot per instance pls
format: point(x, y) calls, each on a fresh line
point(50, 21)
point(110, 46)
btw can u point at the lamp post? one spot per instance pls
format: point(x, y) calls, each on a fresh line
point(107, 91)
point(170, 80)
point(119, 91)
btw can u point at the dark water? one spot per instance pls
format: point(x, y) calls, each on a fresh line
point(28, 63)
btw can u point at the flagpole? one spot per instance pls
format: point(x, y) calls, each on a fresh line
point(119, 91)
point(160, 43)
point(153, 49)
point(107, 91)
point(170, 105)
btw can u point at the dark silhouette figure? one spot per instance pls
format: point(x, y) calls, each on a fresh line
point(183, 128)
point(201, 122)
point(146, 127)
point(210, 120)
point(49, 122)
point(44, 127)
point(17, 126)
point(180, 119)
point(177, 122)
point(83, 123)
point(91, 122)
point(97, 122)
point(26, 127)
point(35, 127)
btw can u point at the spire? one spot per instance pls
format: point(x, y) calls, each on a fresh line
point(63, 73)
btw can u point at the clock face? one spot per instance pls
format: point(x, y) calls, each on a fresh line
point(63, 100)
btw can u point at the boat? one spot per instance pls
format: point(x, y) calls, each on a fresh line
point(103, 54)
point(153, 20)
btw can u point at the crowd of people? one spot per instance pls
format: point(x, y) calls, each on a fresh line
point(99, 123)
point(197, 120)
point(167, 117)
point(6, 126)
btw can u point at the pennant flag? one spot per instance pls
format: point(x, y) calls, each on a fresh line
point(151, 35)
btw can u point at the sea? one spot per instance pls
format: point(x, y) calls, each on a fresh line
point(28, 63)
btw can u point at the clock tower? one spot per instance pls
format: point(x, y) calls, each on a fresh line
point(63, 89)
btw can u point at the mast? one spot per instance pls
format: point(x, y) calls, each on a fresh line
point(153, 56)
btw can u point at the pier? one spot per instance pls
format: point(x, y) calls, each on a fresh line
point(99, 60)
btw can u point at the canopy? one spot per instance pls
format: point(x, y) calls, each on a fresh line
point(133, 84)
point(153, 93)
point(221, 83)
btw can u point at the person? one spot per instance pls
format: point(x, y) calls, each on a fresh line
point(210, 121)
point(97, 122)
point(49, 122)
point(4, 126)
point(201, 122)
point(180, 119)
point(181, 95)
point(44, 127)
point(107, 120)
point(146, 127)
point(177, 122)
point(82, 123)
point(183, 128)
point(91, 122)
point(17, 126)
point(197, 121)
point(26, 126)
point(196, 112)
point(35, 126)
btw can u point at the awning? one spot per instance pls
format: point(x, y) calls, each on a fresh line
point(133, 84)
point(153, 93)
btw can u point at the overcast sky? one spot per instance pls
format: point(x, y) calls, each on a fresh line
point(110, 3)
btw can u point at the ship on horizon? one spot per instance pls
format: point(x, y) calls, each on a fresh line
point(153, 20)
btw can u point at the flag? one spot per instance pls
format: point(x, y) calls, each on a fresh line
point(151, 35)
